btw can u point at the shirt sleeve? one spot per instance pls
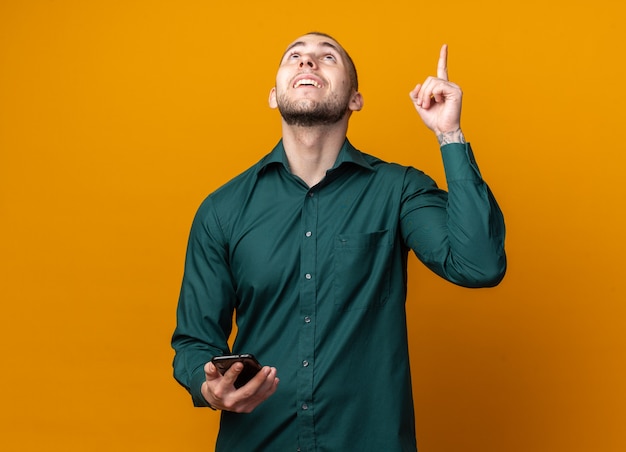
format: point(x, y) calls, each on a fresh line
point(206, 302)
point(459, 234)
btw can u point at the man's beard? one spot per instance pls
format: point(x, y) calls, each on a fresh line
point(311, 113)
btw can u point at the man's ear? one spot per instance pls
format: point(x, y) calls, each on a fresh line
point(272, 99)
point(356, 101)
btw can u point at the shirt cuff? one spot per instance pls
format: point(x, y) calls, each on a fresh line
point(197, 379)
point(459, 162)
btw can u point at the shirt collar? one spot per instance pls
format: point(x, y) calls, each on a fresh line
point(347, 154)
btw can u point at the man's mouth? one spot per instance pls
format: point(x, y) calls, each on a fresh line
point(306, 82)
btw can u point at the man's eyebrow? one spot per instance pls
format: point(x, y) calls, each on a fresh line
point(331, 45)
point(321, 44)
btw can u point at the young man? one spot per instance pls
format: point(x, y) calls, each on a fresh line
point(309, 248)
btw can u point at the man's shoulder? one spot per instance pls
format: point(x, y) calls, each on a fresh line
point(241, 181)
point(236, 182)
point(393, 173)
point(232, 192)
point(384, 167)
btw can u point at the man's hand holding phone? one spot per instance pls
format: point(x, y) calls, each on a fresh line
point(227, 391)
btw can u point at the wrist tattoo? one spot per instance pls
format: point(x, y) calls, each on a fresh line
point(456, 136)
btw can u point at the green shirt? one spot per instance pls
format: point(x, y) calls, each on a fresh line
point(317, 277)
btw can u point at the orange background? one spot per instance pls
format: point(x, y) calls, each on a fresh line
point(118, 117)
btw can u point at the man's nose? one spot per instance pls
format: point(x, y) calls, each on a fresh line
point(307, 60)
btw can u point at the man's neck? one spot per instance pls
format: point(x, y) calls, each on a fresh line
point(311, 151)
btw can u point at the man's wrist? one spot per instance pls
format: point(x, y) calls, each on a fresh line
point(456, 136)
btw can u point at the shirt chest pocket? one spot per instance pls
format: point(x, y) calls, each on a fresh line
point(362, 265)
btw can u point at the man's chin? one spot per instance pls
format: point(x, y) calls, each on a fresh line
point(311, 117)
point(310, 120)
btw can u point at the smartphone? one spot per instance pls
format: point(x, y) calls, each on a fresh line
point(250, 366)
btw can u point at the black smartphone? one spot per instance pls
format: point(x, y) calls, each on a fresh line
point(250, 366)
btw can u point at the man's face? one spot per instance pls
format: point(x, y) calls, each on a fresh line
point(313, 85)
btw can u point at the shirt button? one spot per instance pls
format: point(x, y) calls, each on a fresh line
point(307, 319)
point(305, 406)
point(305, 363)
point(311, 195)
point(308, 233)
point(307, 276)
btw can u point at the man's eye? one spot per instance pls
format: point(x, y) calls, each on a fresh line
point(294, 56)
point(329, 57)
